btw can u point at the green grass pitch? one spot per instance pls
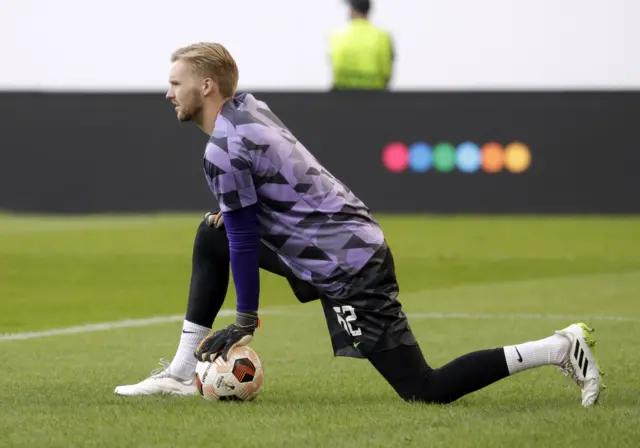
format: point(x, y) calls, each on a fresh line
point(467, 283)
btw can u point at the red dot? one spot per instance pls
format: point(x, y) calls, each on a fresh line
point(395, 157)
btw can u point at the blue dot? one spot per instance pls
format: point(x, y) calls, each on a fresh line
point(420, 157)
point(468, 157)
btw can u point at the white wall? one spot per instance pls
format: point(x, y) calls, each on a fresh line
point(282, 44)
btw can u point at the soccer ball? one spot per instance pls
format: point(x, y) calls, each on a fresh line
point(239, 378)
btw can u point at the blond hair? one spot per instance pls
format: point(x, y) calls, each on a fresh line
point(211, 60)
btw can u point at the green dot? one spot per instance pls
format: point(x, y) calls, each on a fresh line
point(444, 157)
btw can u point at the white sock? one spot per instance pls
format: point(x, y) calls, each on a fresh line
point(553, 350)
point(184, 363)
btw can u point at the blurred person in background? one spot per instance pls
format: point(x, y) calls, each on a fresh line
point(361, 54)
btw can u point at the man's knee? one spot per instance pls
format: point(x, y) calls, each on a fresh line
point(425, 392)
point(406, 370)
point(210, 242)
point(411, 388)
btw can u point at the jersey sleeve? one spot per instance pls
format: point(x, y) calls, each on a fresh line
point(228, 170)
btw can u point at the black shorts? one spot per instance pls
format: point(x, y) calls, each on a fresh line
point(366, 320)
point(367, 317)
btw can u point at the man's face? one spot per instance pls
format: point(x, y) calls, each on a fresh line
point(185, 92)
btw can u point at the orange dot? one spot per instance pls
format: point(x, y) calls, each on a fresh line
point(517, 157)
point(492, 157)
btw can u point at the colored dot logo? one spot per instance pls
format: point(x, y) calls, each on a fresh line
point(492, 158)
point(420, 157)
point(517, 157)
point(395, 157)
point(467, 157)
point(444, 157)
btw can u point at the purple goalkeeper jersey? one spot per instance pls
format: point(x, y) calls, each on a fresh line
point(317, 226)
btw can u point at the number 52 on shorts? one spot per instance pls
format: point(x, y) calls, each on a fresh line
point(347, 317)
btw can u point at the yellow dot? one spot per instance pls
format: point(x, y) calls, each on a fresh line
point(517, 157)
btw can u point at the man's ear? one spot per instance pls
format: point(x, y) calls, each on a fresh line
point(209, 87)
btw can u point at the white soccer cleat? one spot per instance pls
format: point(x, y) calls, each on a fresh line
point(581, 364)
point(161, 382)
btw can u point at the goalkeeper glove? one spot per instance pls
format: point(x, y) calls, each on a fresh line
point(223, 341)
point(214, 219)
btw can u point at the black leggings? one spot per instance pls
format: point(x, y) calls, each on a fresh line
point(406, 370)
point(210, 275)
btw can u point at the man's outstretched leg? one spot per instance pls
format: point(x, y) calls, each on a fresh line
point(570, 350)
point(376, 325)
point(207, 292)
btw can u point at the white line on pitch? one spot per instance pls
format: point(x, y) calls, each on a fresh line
point(516, 316)
point(104, 326)
point(130, 323)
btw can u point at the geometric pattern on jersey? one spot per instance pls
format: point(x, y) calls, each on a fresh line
point(315, 223)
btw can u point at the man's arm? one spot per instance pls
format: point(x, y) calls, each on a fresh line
point(244, 240)
point(228, 171)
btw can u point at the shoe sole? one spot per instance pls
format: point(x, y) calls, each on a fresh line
point(174, 393)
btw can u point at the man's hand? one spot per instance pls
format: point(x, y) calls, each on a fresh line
point(223, 341)
point(214, 219)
